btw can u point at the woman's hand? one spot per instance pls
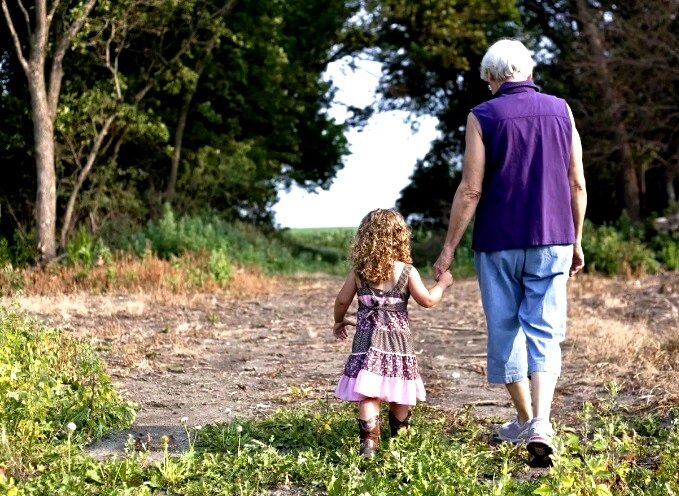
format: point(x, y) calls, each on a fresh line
point(340, 328)
point(443, 263)
point(578, 260)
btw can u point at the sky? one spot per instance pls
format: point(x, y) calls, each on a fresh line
point(383, 156)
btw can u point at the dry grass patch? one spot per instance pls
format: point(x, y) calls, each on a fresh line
point(130, 274)
point(632, 354)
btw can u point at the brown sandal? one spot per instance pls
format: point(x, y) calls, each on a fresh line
point(369, 434)
point(396, 425)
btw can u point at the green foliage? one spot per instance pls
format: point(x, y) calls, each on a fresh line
point(219, 265)
point(666, 248)
point(19, 252)
point(236, 89)
point(330, 244)
point(230, 242)
point(608, 252)
point(83, 250)
point(626, 247)
point(314, 449)
point(47, 381)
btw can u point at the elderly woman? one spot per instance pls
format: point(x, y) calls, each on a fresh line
point(523, 178)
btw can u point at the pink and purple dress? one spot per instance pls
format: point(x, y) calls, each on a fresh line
point(382, 363)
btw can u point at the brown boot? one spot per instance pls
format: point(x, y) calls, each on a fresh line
point(369, 434)
point(396, 425)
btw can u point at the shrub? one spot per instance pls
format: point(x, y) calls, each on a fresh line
point(609, 252)
point(47, 381)
point(83, 250)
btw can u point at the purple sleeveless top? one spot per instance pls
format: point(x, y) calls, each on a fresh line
point(526, 199)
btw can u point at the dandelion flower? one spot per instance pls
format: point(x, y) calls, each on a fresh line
point(184, 420)
point(239, 429)
point(71, 426)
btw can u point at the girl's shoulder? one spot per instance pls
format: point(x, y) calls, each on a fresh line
point(400, 266)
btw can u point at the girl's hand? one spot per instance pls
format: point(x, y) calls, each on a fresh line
point(445, 279)
point(340, 328)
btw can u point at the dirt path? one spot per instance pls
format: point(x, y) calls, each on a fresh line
point(213, 357)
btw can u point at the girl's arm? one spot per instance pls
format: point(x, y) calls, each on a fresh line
point(342, 303)
point(424, 297)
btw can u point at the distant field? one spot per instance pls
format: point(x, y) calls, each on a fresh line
point(327, 237)
point(331, 245)
point(327, 244)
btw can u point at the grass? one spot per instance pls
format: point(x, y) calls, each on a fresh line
point(48, 381)
point(313, 449)
point(55, 396)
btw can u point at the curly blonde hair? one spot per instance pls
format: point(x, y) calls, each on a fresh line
point(382, 238)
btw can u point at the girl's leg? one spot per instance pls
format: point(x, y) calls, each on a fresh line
point(368, 408)
point(399, 411)
point(369, 426)
point(399, 418)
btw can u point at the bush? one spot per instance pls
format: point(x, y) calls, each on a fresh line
point(46, 382)
point(19, 252)
point(228, 243)
point(83, 250)
point(608, 251)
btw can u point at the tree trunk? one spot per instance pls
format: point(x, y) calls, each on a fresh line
point(669, 187)
point(178, 142)
point(613, 102)
point(46, 195)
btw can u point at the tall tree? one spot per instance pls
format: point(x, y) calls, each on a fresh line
point(431, 53)
point(614, 62)
point(36, 47)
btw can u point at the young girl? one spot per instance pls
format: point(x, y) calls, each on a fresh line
point(382, 365)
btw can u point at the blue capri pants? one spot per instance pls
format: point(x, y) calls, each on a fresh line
point(523, 293)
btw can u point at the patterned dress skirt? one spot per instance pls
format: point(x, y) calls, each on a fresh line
point(382, 363)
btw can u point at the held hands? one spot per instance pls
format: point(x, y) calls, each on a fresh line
point(340, 328)
point(443, 263)
point(445, 279)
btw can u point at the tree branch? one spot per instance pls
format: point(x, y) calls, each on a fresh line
point(82, 176)
point(27, 18)
point(15, 37)
point(50, 16)
point(113, 67)
point(62, 45)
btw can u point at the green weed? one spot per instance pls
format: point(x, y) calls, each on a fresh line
point(54, 394)
point(314, 449)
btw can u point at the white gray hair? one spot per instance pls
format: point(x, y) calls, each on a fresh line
point(507, 59)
